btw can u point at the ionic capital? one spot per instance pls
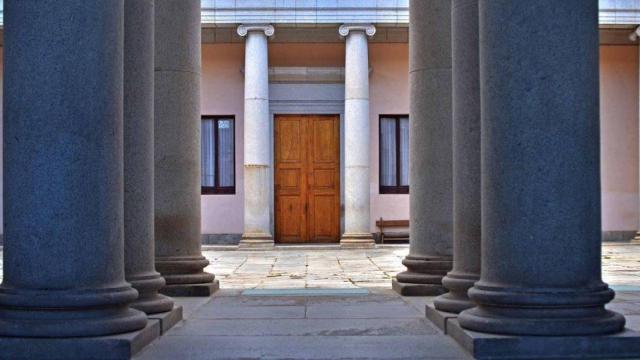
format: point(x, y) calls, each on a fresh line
point(267, 29)
point(368, 29)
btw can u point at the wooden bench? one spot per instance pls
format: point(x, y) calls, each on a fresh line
point(383, 224)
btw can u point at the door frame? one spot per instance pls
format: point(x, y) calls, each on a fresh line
point(305, 99)
point(341, 169)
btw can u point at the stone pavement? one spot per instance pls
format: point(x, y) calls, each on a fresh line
point(381, 325)
point(344, 324)
point(370, 268)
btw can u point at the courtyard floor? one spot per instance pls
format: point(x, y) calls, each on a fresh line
point(360, 318)
point(308, 303)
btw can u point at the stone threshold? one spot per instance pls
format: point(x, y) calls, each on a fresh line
point(306, 292)
point(299, 247)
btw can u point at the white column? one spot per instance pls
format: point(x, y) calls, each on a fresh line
point(635, 36)
point(356, 116)
point(257, 209)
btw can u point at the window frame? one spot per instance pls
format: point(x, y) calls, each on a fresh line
point(385, 189)
point(217, 189)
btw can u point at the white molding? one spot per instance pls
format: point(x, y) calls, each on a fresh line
point(389, 12)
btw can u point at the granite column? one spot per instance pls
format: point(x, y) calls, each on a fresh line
point(430, 144)
point(357, 231)
point(257, 184)
point(466, 158)
point(139, 247)
point(541, 225)
point(177, 149)
point(63, 246)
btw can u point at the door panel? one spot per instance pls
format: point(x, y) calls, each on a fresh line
point(307, 178)
point(290, 154)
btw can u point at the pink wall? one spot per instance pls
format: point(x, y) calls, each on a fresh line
point(619, 137)
point(223, 94)
point(388, 94)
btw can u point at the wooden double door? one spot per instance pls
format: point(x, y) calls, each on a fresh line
point(307, 178)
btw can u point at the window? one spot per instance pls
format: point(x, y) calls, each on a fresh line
point(218, 155)
point(394, 154)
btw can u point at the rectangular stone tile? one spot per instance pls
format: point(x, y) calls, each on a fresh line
point(211, 311)
point(361, 311)
point(304, 347)
point(242, 301)
point(306, 327)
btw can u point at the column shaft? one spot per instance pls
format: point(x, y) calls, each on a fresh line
point(257, 159)
point(541, 226)
point(466, 158)
point(139, 237)
point(357, 230)
point(63, 244)
point(177, 148)
point(430, 143)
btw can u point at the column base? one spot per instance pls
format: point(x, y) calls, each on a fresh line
point(168, 319)
point(423, 276)
point(623, 345)
point(412, 289)
point(149, 301)
point(184, 271)
point(357, 241)
point(456, 300)
point(121, 346)
point(439, 318)
point(541, 312)
point(191, 290)
point(261, 241)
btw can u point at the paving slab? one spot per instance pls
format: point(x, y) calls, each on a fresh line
point(212, 311)
point(305, 327)
point(304, 347)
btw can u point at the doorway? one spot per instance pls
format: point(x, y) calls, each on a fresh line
point(307, 178)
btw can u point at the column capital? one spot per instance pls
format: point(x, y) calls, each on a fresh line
point(268, 29)
point(369, 29)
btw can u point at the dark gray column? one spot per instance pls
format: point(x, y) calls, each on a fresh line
point(139, 248)
point(466, 158)
point(177, 149)
point(431, 197)
point(63, 214)
point(541, 267)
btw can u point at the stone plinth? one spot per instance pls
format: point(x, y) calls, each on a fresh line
point(116, 347)
point(623, 345)
point(168, 319)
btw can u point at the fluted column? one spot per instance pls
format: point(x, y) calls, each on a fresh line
point(63, 214)
point(541, 226)
point(139, 248)
point(466, 158)
point(257, 190)
point(430, 144)
point(357, 231)
point(177, 149)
